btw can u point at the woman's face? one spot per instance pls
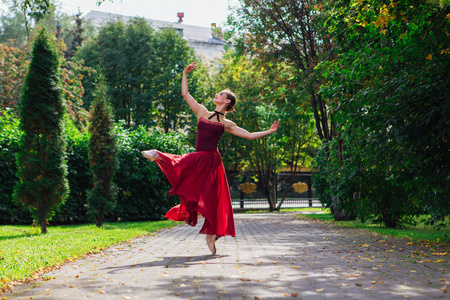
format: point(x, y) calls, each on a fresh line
point(221, 98)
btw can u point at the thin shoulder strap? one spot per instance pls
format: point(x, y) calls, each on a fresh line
point(216, 113)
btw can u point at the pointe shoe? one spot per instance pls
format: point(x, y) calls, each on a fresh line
point(151, 155)
point(211, 242)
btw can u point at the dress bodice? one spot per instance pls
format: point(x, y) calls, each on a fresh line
point(208, 134)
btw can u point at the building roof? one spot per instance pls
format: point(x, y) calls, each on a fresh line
point(194, 34)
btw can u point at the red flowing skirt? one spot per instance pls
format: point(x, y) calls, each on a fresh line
point(200, 181)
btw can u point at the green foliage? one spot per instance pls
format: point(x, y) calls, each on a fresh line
point(10, 212)
point(266, 92)
point(14, 68)
point(102, 157)
point(12, 28)
point(143, 189)
point(143, 72)
point(34, 9)
point(392, 105)
point(41, 159)
point(74, 210)
point(174, 55)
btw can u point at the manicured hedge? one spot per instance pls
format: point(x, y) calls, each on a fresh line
point(143, 189)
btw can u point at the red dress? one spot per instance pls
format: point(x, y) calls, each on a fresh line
point(199, 180)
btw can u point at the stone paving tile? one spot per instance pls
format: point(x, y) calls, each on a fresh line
point(274, 256)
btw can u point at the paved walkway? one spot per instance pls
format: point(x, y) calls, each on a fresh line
point(274, 256)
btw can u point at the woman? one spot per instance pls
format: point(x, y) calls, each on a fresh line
point(199, 178)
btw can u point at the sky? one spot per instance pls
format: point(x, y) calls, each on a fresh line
point(196, 12)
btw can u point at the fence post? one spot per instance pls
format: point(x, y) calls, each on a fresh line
point(241, 203)
point(309, 191)
point(275, 187)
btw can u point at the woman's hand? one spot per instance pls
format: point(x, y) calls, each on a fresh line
point(191, 67)
point(274, 126)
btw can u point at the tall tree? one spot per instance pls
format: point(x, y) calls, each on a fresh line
point(32, 10)
point(265, 92)
point(284, 31)
point(102, 157)
point(173, 54)
point(390, 77)
point(42, 169)
point(142, 70)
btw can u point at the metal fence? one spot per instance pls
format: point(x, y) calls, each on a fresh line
point(284, 184)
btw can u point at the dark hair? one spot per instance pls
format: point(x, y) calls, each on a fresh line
point(232, 98)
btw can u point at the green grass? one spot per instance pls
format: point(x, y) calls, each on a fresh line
point(419, 233)
point(24, 251)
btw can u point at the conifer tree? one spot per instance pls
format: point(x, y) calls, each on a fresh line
point(102, 157)
point(42, 167)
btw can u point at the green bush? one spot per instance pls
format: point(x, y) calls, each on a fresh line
point(10, 212)
point(143, 189)
point(74, 210)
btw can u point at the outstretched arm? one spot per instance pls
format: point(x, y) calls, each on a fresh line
point(198, 109)
point(236, 130)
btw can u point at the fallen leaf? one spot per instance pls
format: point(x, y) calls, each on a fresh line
point(319, 290)
point(126, 297)
point(245, 279)
point(72, 286)
point(444, 289)
point(294, 294)
point(294, 267)
point(101, 292)
point(256, 297)
point(345, 284)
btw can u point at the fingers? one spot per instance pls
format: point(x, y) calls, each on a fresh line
point(275, 125)
point(191, 67)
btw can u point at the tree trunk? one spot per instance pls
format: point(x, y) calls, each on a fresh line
point(99, 219)
point(43, 226)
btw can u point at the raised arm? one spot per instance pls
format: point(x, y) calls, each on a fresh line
point(236, 130)
point(198, 109)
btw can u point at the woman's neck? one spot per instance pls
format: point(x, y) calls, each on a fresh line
point(221, 108)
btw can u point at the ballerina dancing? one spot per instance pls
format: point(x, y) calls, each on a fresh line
point(199, 178)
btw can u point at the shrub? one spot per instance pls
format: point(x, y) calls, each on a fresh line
point(42, 171)
point(143, 188)
point(102, 157)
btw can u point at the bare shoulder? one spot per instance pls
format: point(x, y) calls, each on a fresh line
point(204, 113)
point(201, 111)
point(229, 124)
